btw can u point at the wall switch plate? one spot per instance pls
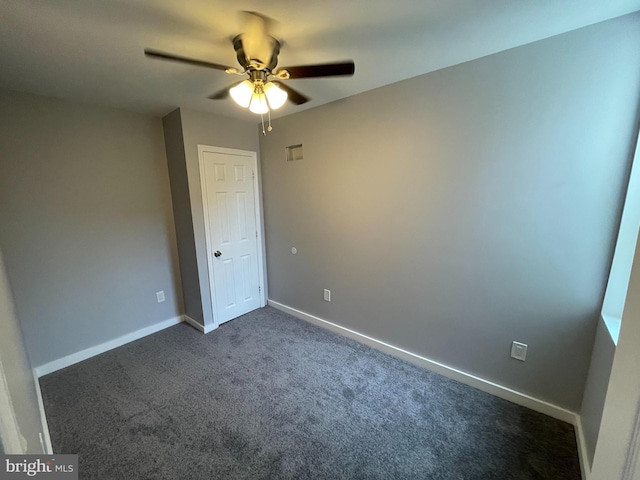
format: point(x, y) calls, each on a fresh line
point(519, 351)
point(160, 296)
point(327, 295)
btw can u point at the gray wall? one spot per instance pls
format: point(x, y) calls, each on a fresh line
point(460, 210)
point(85, 223)
point(174, 145)
point(595, 391)
point(199, 128)
point(17, 369)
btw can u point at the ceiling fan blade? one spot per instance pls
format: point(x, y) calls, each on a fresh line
point(294, 96)
point(177, 58)
point(224, 93)
point(323, 70)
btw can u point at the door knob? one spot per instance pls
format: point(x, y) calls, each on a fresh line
point(217, 254)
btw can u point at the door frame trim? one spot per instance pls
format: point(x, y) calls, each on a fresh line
point(12, 440)
point(258, 213)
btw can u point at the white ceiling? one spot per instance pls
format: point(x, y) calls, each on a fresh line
point(92, 50)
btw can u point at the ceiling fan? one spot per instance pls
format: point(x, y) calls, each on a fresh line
point(257, 53)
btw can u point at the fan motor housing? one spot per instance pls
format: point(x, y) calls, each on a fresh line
point(249, 63)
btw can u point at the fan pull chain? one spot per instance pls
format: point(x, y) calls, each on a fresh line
point(262, 117)
point(269, 127)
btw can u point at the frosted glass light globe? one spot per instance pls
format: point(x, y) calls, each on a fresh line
point(242, 93)
point(259, 103)
point(275, 95)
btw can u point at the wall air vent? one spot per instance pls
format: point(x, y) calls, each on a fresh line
point(294, 153)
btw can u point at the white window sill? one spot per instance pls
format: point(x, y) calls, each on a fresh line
point(613, 327)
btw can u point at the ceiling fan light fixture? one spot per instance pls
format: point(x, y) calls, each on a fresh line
point(259, 103)
point(242, 93)
point(275, 95)
point(257, 54)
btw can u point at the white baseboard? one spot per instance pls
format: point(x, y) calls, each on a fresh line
point(197, 325)
point(450, 372)
point(45, 438)
point(582, 449)
point(69, 360)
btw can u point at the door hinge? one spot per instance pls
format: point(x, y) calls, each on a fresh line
point(254, 175)
point(256, 234)
point(259, 289)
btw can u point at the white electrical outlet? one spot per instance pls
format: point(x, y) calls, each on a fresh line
point(519, 351)
point(327, 295)
point(160, 296)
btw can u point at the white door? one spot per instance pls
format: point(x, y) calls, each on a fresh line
point(229, 193)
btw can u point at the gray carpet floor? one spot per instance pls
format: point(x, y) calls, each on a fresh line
point(267, 396)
